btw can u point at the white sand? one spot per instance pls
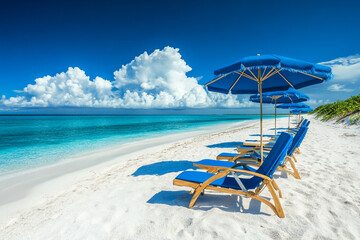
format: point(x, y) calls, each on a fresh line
point(132, 197)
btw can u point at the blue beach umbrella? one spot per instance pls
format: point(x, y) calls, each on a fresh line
point(301, 110)
point(289, 96)
point(293, 106)
point(266, 73)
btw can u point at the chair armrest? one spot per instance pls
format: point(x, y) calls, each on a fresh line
point(249, 172)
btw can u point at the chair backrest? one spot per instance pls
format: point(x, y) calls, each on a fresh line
point(302, 137)
point(299, 136)
point(273, 159)
point(304, 123)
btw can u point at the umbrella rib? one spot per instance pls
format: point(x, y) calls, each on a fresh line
point(275, 97)
point(310, 75)
point(246, 75)
point(272, 74)
point(268, 73)
point(262, 75)
point(285, 79)
point(216, 79)
point(272, 98)
point(240, 75)
point(253, 75)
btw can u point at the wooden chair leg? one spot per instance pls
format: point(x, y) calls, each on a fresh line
point(285, 169)
point(195, 197)
point(286, 159)
point(293, 156)
point(279, 210)
point(295, 173)
point(199, 189)
point(270, 184)
point(276, 188)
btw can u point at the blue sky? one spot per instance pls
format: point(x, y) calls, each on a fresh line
point(92, 46)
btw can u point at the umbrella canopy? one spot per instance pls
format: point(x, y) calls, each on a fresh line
point(289, 96)
point(301, 110)
point(267, 73)
point(275, 73)
point(293, 105)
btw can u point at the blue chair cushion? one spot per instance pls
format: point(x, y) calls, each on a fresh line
point(227, 182)
point(200, 177)
point(228, 154)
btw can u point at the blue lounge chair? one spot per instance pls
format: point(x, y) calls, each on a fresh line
point(305, 123)
point(247, 152)
point(227, 180)
point(215, 165)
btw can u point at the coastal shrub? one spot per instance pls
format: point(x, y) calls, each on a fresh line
point(347, 110)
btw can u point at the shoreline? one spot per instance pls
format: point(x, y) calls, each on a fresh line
point(20, 189)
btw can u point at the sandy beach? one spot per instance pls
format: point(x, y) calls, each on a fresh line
point(131, 196)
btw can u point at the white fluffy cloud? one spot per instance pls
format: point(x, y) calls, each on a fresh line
point(156, 80)
point(338, 88)
point(159, 80)
point(71, 88)
point(346, 70)
point(314, 102)
point(345, 84)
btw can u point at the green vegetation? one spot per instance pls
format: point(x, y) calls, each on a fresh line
point(347, 111)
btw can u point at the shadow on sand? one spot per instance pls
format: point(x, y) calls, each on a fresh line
point(280, 174)
point(229, 203)
point(161, 168)
point(225, 145)
point(273, 129)
point(258, 135)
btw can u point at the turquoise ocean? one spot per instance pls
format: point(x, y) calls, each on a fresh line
point(29, 141)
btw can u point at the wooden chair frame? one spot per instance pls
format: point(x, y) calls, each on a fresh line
point(267, 182)
point(294, 171)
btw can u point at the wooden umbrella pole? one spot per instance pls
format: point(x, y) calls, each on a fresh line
point(261, 121)
point(289, 120)
point(275, 116)
point(296, 118)
point(297, 121)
